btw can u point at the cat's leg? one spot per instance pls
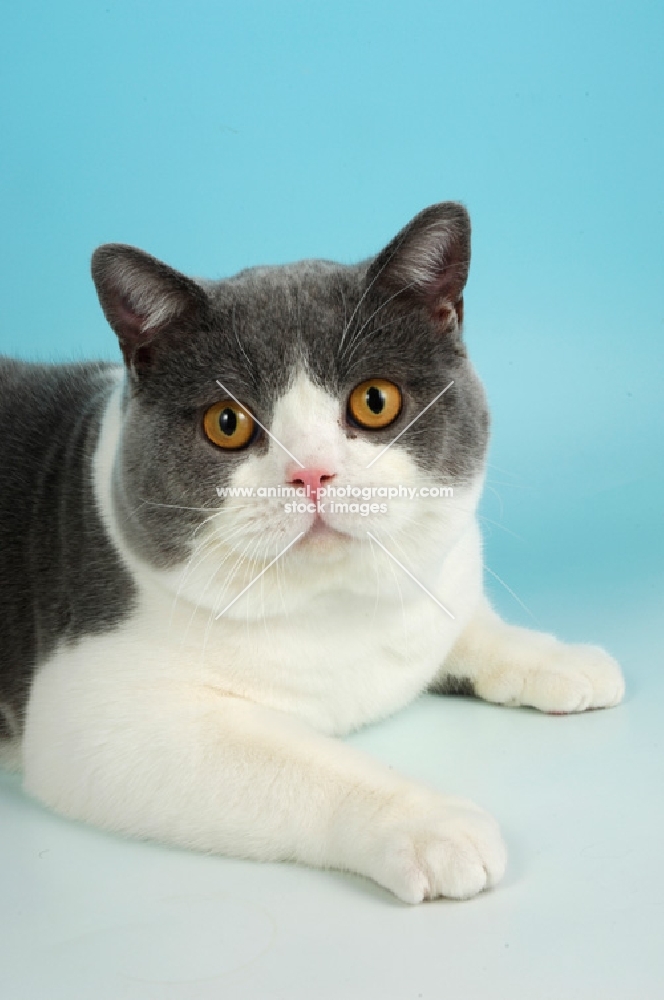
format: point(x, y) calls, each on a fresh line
point(516, 666)
point(183, 763)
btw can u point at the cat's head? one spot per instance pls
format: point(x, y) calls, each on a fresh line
point(313, 374)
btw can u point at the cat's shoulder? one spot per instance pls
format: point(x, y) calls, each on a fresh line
point(40, 390)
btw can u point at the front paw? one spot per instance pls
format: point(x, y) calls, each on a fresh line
point(556, 678)
point(431, 847)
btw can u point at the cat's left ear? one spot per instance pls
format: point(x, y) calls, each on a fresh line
point(142, 297)
point(427, 263)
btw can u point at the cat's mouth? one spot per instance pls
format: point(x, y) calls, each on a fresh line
point(320, 532)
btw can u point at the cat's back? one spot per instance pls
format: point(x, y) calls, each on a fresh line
point(41, 406)
point(52, 543)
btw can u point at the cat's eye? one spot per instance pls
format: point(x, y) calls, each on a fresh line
point(375, 403)
point(228, 425)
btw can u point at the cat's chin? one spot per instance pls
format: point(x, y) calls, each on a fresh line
point(322, 537)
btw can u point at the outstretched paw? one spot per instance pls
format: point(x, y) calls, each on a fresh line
point(449, 848)
point(555, 678)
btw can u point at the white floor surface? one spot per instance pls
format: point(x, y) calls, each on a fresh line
point(580, 914)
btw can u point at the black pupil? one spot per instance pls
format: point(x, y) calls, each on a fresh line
point(375, 399)
point(228, 421)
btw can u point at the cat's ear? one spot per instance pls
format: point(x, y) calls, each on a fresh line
point(428, 262)
point(141, 297)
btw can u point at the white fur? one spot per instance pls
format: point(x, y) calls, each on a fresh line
point(515, 666)
point(216, 733)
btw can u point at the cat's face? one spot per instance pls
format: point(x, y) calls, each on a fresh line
point(305, 376)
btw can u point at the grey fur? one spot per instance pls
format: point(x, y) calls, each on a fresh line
point(60, 577)
point(460, 687)
point(397, 316)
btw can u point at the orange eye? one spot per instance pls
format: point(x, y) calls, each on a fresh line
point(375, 403)
point(228, 425)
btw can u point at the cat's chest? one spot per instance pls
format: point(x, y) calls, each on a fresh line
point(337, 665)
point(340, 661)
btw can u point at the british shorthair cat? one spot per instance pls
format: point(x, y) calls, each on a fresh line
point(255, 535)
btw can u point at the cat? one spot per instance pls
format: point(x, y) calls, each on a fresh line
point(176, 659)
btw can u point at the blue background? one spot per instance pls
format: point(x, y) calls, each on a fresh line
point(236, 134)
point(218, 136)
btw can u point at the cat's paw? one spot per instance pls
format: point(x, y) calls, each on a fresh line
point(557, 678)
point(444, 847)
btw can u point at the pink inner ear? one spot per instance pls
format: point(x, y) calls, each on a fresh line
point(129, 326)
point(448, 314)
point(449, 278)
point(128, 319)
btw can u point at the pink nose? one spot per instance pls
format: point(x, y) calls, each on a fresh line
point(310, 478)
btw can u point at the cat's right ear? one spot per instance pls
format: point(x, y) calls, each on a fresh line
point(141, 297)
